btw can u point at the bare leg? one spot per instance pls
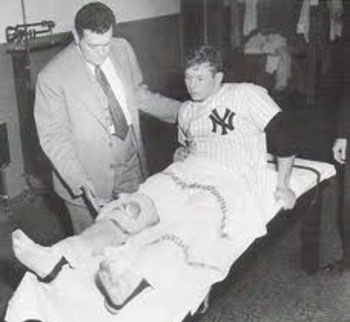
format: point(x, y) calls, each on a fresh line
point(101, 234)
point(41, 260)
point(91, 242)
point(76, 250)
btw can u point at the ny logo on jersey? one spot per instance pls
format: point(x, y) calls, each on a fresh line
point(226, 121)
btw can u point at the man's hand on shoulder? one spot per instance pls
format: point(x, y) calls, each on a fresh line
point(287, 196)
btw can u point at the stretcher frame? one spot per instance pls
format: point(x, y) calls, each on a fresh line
point(307, 212)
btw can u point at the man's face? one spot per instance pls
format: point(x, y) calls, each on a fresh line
point(93, 46)
point(201, 81)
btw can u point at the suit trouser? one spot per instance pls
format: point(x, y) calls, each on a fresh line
point(127, 177)
point(80, 216)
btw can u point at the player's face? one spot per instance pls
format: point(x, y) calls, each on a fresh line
point(93, 46)
point(202, 82)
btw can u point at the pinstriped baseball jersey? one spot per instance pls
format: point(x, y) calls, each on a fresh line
point(228, 128)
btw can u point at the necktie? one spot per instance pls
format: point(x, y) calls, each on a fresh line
point(115, 110)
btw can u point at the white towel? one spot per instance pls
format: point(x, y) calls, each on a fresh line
point(304, 20)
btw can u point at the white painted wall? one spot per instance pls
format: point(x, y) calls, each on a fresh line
point(62, 11)
point(128, 10)
point(10, 14)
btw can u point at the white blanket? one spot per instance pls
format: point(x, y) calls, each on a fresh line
point(207, 220)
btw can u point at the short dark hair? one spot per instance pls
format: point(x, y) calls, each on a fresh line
point(205, 54)
point(94, 16)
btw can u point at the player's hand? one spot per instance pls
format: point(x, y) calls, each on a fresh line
point(287, 196)
point(339, 150)
point(181, 154)
point(90, 194)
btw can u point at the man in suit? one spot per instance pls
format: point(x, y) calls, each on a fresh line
point(86, 111)
point(341, 154)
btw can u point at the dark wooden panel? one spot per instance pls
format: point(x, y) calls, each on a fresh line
point(157, 45)
point(203, 22)
point(26, 68)
point(160, 141)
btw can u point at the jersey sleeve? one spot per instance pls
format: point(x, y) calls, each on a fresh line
point(257, 105)
point(280, 140)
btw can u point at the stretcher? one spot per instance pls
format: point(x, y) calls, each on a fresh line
point(77, 298)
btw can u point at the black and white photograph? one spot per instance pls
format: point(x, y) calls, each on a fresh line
point(174, 161)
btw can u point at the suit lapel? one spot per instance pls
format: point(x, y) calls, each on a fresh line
point(91, 89)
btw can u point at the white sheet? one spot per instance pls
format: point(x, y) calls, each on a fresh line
point(302, 180)
point(73, 297)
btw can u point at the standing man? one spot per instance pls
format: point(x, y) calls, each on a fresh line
point(86, 112)
point(341, 155)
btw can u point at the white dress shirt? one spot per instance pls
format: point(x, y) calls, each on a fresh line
point(116, 84)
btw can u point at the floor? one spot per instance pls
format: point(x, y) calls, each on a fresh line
point(268, 287)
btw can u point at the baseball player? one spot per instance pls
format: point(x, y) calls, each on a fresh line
point(228, 123)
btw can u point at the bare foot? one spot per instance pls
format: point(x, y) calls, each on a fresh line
point(39, 259)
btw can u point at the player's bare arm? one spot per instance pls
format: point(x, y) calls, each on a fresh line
point(283, 190)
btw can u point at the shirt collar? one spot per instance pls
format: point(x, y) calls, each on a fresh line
point(92, 66)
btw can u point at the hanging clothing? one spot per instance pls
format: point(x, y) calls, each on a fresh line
point(303, 25)
point(235, 34)
point(250, 16)
point(336, 20)
point(278, 59)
